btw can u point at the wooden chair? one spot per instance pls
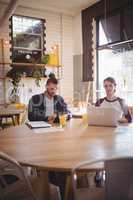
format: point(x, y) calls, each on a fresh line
point(118, 183)
point(15, 185)
point(13, 119)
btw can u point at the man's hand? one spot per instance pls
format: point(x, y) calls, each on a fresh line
point(123, 120)
point(52, 118)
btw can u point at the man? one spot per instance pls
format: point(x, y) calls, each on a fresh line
point(47, 106)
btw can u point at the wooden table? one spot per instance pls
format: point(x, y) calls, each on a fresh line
point(63, 150)
point(10, 113)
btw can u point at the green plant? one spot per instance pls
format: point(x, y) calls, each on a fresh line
point(16, 73)
point(37, 74)
point(15, 77)
point(51, 75)
point(45, 58)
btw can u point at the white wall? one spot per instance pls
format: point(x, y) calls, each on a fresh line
point(58, 31)
point(67, 58)
point(77, 35)
point(80, 87)
point(77, 56)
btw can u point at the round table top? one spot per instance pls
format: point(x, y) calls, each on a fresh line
point(64, 149)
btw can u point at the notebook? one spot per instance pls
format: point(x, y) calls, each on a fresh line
point(48, 130)
point(38, 124)
point(100, 116)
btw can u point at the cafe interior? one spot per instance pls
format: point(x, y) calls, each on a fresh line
point(66, 100)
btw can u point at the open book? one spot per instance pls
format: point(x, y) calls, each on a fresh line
point(38, 124)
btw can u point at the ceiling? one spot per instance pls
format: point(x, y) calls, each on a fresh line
point(70, 7)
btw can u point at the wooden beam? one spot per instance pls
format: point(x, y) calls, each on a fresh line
point(9, 11)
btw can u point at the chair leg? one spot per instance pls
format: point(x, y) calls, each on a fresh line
point(1, 125)
point(6, 120)
point(13, 121)
point(1, 122)
point(18, 119)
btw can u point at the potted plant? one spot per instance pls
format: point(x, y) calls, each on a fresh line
point(45, 59)
point(15, 74)
point(39, 72)
point(15, 77)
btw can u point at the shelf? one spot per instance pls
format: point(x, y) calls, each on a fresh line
point(30, 78)
point(33, 65)
point(29, 64)
point(5, 63)
point(2, 78)
point(27, 77)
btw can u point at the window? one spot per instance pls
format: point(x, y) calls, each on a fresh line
point(115, 55)
point(118, 64)
point(109, 29)
point(27, 39)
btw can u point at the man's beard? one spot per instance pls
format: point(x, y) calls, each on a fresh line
point(51, 95)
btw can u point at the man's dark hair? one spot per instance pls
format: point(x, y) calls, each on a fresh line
point(52, 80)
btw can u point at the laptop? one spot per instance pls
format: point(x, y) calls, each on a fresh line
point(101, 116)
point(38, 124)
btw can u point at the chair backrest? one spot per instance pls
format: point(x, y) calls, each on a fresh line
point(118, 177)
point(12, 177)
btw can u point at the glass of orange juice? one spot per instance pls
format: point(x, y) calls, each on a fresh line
point(85, 118)
point(62, 120)
point(20, 105)
point(84, 115)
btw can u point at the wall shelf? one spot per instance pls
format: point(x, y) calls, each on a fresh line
point(33, 65)
point(2, 77)
point(27, 78)
point(28, 64)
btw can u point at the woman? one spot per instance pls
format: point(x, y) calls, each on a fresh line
point(113, 101)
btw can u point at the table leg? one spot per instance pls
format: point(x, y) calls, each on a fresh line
point(13, 121)
point(44, 186)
